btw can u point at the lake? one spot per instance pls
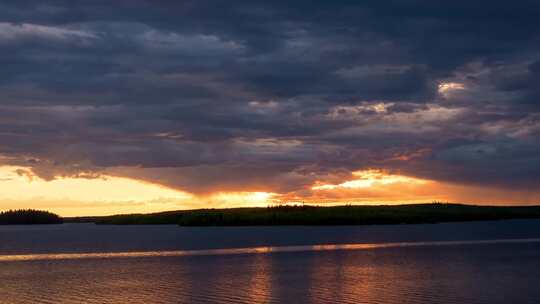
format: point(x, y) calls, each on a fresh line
point(476, 262)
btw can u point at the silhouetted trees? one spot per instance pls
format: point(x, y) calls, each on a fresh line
point(338, 215)
point(29, 216)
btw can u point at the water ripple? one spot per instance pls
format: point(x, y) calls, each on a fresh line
point(251, 250)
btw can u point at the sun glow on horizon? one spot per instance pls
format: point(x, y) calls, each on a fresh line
point(370, 178)
point(105, 195)
point(242, 199)
point(26, 186)
point(98, 195)
point(379, 187)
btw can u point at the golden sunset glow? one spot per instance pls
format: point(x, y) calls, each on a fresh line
point(371, 178)
point(379, 187)
point(70, 196)
point(376, 187)
point(104, 188)
point(447, 88)
point(107, 194)
point(241, 199)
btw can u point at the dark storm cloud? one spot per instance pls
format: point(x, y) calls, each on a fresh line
point(275, 95)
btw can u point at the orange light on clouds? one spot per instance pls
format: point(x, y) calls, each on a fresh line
point(371, 178)
point(446, 89)
point(380, 187)
point(375, 187)
point(241, 199)
point(447, 86)
point(26, 186)
point(105, 195)
point(70, 196)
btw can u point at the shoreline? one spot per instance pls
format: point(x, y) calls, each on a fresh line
point(320, 216)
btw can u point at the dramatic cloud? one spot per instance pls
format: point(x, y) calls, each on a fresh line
point(210, 96)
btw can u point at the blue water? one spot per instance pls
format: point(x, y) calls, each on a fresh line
point(479, 262)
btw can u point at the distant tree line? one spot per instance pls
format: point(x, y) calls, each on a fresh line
point(336, 215)
point(28, 217)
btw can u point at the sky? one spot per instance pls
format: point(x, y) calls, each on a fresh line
point(141, 106)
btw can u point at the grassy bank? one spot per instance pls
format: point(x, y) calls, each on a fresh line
point(29, 217)
point(311, 215)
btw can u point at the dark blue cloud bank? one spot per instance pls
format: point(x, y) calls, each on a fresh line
point(274, 95)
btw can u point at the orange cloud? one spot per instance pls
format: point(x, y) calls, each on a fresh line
point(380, 187)
point(106, 194)
point(71, 196)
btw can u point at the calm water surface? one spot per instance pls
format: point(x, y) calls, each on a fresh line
point(481, 262)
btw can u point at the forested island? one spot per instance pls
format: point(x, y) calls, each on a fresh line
point(314, 215)
point(29, 217)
